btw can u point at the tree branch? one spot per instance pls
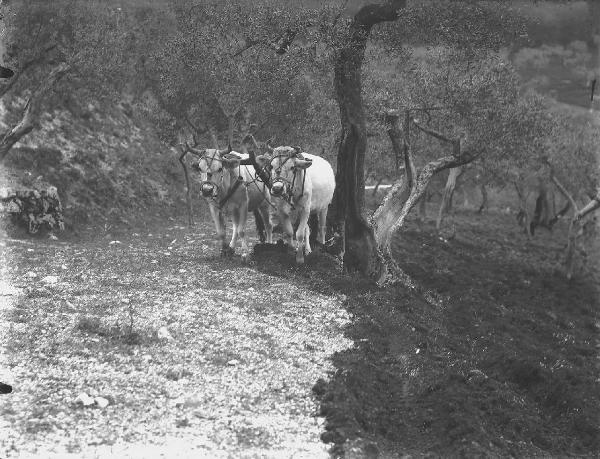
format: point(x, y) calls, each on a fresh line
point(31, 111)
point(564, 192)
point(433, 133)
point(32, 62)
point(589, 207)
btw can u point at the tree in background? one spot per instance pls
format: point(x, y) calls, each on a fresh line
point(48, 41)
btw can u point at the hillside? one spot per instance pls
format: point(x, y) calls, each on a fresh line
point(107, 166)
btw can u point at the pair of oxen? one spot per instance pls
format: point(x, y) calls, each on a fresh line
point(293, 183)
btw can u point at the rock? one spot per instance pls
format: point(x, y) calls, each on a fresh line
point(477, 376)
point(163, 334)
point(183, 422)
point(50, 280)
point(101, 402)
point(84, 399)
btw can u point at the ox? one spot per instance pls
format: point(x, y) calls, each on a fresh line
point(230, 186)
point(301, 183)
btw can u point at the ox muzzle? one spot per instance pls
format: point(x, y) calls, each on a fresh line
point(278, 188)
point(209, 189)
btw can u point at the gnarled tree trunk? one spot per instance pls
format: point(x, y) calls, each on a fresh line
point(360, 246)
point(405, 193)
point(31, 111)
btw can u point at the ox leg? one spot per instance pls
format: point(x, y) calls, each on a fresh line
point(322, 217)
point(242, 217)
point(286, 223)
point(300, 237)
point(236, 228)
point(307, 248)
point(219, 220)
point(260, 225)
point(266, 218)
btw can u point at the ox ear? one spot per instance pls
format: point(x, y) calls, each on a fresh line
point(230, 161)
point(263, 160)
point(297, 150)
point(302, 163)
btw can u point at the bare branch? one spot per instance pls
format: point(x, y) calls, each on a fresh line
point(588, 208)
point(31, 111)
point(32, 62)
point(433, 133)
point(564, 192)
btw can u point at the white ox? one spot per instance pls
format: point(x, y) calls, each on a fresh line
point(230, 187)
point(301, 184)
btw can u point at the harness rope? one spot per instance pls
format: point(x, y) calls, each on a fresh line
point(232, 189)
point(290, 198)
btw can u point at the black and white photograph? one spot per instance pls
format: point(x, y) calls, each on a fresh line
point(297, 229)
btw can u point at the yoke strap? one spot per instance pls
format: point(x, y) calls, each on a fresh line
point(231, 191)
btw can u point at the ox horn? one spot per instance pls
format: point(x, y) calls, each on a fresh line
point(193, 150)
point(225, 152)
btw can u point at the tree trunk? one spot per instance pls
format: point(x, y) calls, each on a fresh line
point(484, 199)
point(446, 204)
point(360, 247)
point(523, 217)
point(405, 193)
point(31, 111)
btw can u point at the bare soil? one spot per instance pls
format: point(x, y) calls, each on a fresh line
point(505, 365)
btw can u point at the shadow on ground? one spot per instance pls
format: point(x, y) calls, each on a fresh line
point(505, 366)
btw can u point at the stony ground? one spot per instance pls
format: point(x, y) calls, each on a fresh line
point(174, 349)
point(146, 344)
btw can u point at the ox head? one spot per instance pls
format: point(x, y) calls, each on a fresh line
point(214, 166)
point(286, 165)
